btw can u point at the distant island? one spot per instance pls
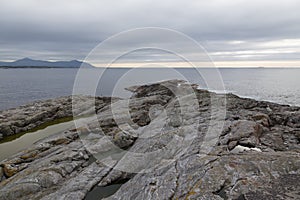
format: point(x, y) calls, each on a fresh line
point(30, 63)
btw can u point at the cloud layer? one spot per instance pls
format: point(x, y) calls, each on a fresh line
point(236, 30)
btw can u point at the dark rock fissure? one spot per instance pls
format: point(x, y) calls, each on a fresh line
point(100, 192)
point(241, 197)
point(221, 192)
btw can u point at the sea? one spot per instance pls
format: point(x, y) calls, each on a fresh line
point(21, 86)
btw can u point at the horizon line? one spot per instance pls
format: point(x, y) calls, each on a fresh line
point(174, 64)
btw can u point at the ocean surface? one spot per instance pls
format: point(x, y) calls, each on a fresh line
point(21, 86)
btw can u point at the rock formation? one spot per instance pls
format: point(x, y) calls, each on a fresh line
point(165, 142)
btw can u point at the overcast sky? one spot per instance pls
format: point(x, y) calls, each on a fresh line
point(233, 32)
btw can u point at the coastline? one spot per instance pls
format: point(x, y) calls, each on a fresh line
point(253, 131)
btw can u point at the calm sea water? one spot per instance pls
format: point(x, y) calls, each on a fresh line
point(21, 86)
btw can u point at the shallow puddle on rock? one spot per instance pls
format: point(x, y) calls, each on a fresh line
point(11, 147)
point(102, 192)
point(15, 143)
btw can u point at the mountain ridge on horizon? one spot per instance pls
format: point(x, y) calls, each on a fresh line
point(31, 63)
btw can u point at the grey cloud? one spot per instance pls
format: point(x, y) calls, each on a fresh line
point(62, 29)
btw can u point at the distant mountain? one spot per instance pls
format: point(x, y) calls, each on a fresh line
point(27, 63)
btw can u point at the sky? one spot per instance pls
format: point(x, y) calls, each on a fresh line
point(234, 33)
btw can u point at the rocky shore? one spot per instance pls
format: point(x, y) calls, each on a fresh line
point(28, 117)
point(174, 145)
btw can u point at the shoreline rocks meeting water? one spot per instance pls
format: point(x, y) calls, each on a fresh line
point(173, 145)
point(30, 116)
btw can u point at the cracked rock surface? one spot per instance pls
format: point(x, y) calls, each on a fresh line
point(170, 140)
